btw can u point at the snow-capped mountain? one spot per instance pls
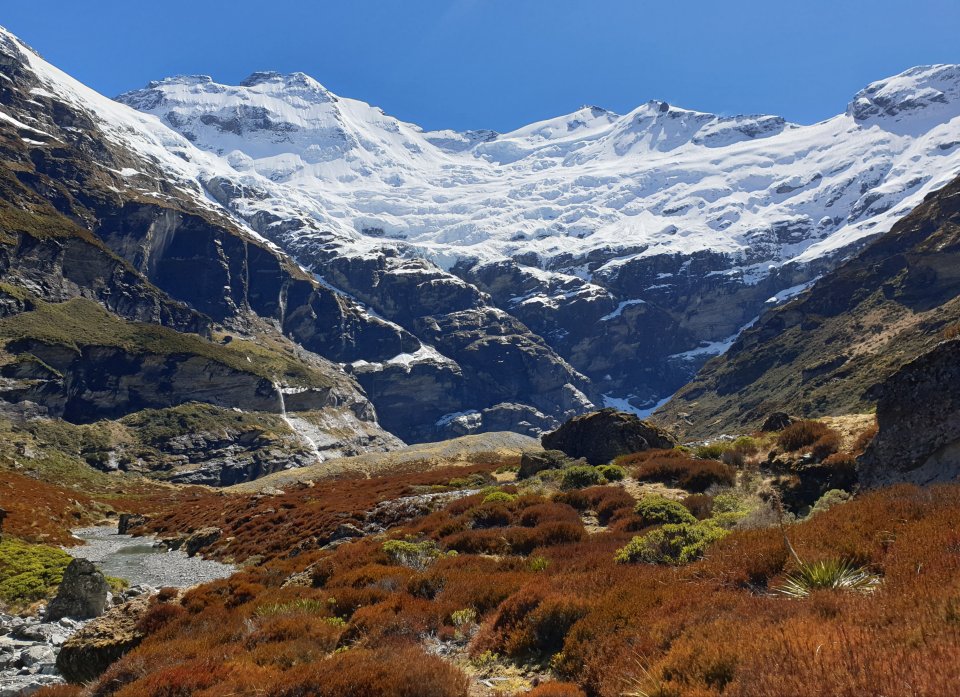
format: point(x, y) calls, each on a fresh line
point(586, 259)
point(149, 201)
point(661, 177)
point(637, 245)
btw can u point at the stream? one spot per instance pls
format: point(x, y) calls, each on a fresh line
point(137, 560)
point(29, 646)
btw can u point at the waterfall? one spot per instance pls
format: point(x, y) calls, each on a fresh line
point(310, 442)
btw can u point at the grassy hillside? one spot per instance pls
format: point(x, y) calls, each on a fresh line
point(81, 323)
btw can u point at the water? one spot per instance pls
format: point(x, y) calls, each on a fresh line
point(310, 442)
point(138, 561)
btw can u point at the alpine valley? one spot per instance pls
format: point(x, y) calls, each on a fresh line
point(325, 403)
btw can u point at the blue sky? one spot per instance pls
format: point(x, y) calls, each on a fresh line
point(503, 63)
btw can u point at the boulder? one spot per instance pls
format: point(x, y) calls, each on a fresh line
point(89, 652)
point(918, 419)
point(532, 462)
point(204, 537)
point(777, 421)
point(601, 436)
point(82, 593)
point(129, 521)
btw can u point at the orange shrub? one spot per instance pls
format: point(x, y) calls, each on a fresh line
point(825, 446)
point(700, 505)
point(686, 472)
point(801, 434)
point(392, 671)
point(864, 439)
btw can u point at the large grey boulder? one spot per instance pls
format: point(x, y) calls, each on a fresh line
point(82, 593)
point(603, 435)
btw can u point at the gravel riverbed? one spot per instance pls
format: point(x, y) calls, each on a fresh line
point(29, 646)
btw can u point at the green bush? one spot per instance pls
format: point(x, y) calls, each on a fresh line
point(658, 510)
point(612, 473)
point(29, 572)
point(499, 497)
point(416, 555)
point(828, 574)
point(473, 481)
point(830, 499)
point(711, 451)
point(538, 563)
point(671, 544)
point(580, 476)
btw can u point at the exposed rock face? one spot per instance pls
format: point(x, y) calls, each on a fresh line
point(533, 462)
point(918, 414)
point(89, 652)
point(601, 436)
point(777, 421)
point(129, 521)
point(90, 215)
point(197, 540)
point(82, 593)
point(821, 353)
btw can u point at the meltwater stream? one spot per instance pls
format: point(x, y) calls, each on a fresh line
point(137, 560)
point(29, 645)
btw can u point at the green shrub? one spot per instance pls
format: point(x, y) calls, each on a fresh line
point(580, 476)
point(29, 572)
point(416, 555)
point(612, 473)
point(538, 563)
point(473, 481)
point(671, 544)
point(303, 606)
point(711, 451)
point(658, 510)
point(830, 499)
point(499, 497)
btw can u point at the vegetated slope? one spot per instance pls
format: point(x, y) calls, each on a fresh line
point(635, 245)
point(146, 197)
point(467, 450)
point(530, 586)
point(822, 352)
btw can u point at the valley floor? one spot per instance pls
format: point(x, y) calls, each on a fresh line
point(468, 581)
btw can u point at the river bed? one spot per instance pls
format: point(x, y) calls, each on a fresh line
point(137, 560)
point(29, 646)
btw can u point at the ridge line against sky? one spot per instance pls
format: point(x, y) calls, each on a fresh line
point(502, 64)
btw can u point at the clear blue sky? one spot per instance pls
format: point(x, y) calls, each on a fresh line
point(503, 63)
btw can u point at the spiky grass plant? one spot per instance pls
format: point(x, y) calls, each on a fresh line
point(837, 574)
point(826, 574)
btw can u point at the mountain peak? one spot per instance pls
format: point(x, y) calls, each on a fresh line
point(924, 92)
point(296, 84)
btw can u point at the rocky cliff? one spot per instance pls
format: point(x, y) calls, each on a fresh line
point(99, 201)
point(823, 352)
point(918, 415)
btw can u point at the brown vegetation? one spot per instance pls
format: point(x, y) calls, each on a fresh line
point(706, 629)
point(679, 468)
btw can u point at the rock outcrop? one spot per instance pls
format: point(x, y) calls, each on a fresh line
point(532, 462)
point(918, 415)
point(82, 594)
point(89, 652)
point(601, 436)
point(197, 540)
